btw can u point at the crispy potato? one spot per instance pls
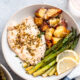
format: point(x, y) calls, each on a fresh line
point(63, 22)
point(40, 12)
point(61, 32)
point(48, 36)
point(68, 31)
point(49, 44)
point(44, 27)
point(55, 40)
point(54, 22)
point(49, 33)
point(52, 12)
point(38, 21)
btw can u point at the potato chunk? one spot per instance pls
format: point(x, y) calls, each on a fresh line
point(44, 27)
point(49, 33)
point(49, 44)
point(52, 12)
point(54, 22)
point(61, 32)
point(63, 22)
point(68, 31)
point(38, 21)
point(55, 40)
point(40, 12)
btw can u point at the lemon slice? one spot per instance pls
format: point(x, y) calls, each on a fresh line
point(66, 64)
point(68, 53)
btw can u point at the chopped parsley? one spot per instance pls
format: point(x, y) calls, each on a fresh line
point(42, 32)
point(16, 55)
point(39, 35)
point(57, 17)
point(20, 62)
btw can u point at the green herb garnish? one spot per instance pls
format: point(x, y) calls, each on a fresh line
point(20, 62)
point(42, 32)
point(39, 35)
point(16, 55)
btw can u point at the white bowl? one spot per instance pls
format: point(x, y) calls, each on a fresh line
point(6, 72)
point(9, 55)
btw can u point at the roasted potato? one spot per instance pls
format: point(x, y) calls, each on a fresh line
point(49, 33)
point(68, 31)
point(61, 32)
point(44, 27)
point(49, 44)
point(40, 12)
point(54, 22)
point(55, 40)
point(52, 12)
point(38, 21)
point(63, 22)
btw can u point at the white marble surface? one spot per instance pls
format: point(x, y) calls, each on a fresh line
point(9, 7)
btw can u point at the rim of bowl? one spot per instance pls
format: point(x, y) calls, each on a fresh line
point(7, 72)
point(18, 12)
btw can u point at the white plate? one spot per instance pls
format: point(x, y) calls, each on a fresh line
point(9, 55)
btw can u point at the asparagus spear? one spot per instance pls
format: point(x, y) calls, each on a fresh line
point(42, 70)
point(48, 62)
point(75, 42)
point(30, 67)
point(47, 72)
point(52, 71)
point(50, 56)
point(47, 58)
point(36, 67)
point(53, 47)
point(67, 39)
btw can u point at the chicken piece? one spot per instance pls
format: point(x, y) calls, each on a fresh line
point(49, 33)
point(52, 12)
point(63, 22)
point(40, 12)
point(38, 21)
point(49, 44)
point(55, 40)
point(44, 27)
point(54, 22)
point(61, 32)
point(25, 43)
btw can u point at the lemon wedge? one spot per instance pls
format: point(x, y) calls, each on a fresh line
point(66, 64)
point(68, 53)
